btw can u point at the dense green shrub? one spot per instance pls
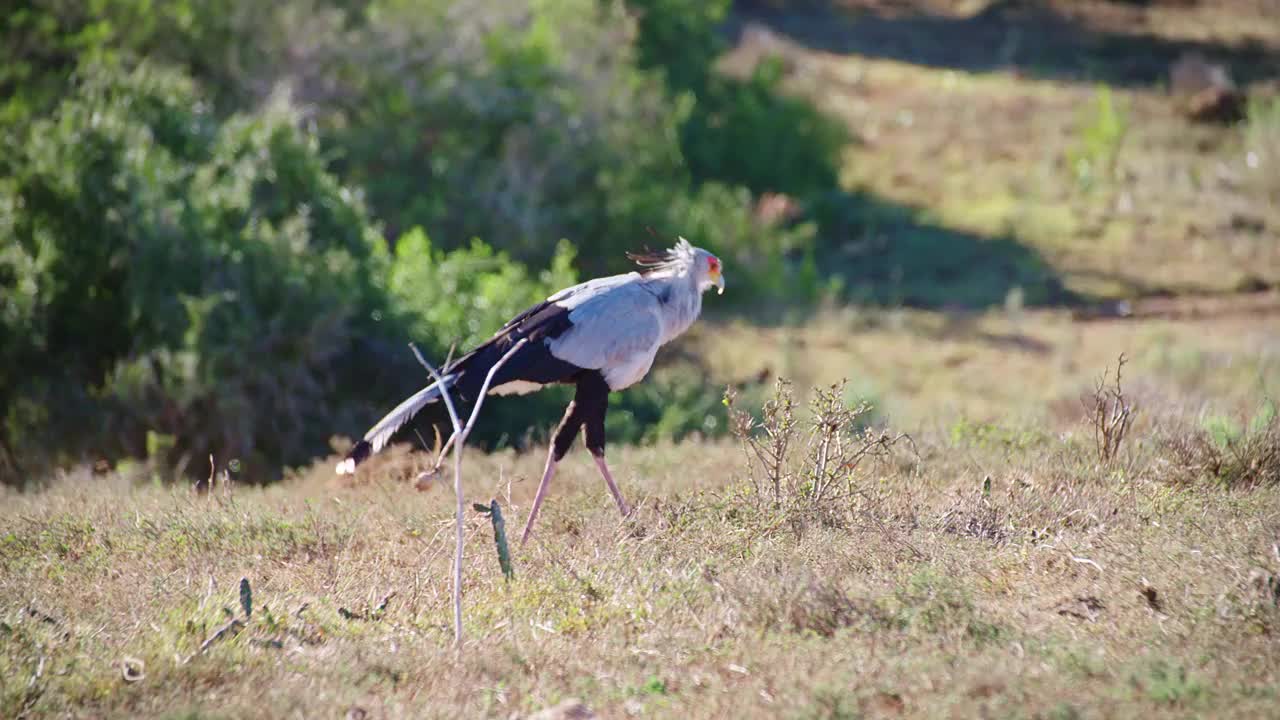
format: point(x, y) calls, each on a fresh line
point(520, 123)
point(795, 148)
point(763, 261)
point(739, 138)
point(186, 253)
point(462, 297)
point(679, 37)
point(183, 285)
point(168, 273)
point(677, 401)
point(237, 50)
point(740, 131)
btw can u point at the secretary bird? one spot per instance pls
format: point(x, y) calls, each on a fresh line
point(599, 336)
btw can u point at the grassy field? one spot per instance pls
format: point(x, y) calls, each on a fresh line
point(994, 564)
point(1001, 561)
point(1043, 137)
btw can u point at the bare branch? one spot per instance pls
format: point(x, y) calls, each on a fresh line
point(484, 389)
point(444, 390)
point(1110, 413)
point(458, 439)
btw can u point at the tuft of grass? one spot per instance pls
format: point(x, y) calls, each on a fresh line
point(975, 515)
point(1262, 146)
point(1169, 683)
point(1226, 451)
point(1103, 127)
point(805, 604)
point(830, 703)
point(933, 604)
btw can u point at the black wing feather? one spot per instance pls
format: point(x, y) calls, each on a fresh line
point(532, 363)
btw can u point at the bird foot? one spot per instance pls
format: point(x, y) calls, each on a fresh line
point(632, 526)
point(426, 479)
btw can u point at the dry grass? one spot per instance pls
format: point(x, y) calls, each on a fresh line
point(1224, 452)
point(996, 150)
point(997, 570)
point(1000, 566)
point(1027, 368)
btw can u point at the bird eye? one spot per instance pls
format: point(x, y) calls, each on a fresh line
point(713, 264)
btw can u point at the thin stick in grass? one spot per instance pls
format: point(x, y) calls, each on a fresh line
point(460, 433)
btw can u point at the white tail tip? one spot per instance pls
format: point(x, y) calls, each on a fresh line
point(346, 467)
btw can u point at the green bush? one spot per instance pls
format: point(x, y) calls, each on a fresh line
point(461, 298)
point(749, 133)
point(185, 256)
point(229, 47)
point(679, 37)
point(764, 262)
point(176, 275)
point(525, 122)
point(674, 402)
point(520, 123)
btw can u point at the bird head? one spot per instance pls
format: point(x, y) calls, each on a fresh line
point(684, 260)
point(708, 271)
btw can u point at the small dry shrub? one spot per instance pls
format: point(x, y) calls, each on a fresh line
point(768, 441)
point(1059, 501)
point(803, 470)
point(1110, 413)
point(1231, 454)
point(975, 516)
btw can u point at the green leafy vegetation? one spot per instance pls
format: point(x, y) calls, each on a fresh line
point(1104, 125)
point(462, 297)
point(223, 223)
point(179, 275)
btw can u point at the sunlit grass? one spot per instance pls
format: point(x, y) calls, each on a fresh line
point(992, 564)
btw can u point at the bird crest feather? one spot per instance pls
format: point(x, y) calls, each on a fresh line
point(675, 258)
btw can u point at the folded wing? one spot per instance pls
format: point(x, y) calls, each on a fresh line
point(617, 332)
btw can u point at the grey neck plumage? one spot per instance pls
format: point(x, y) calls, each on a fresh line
point(681, 301)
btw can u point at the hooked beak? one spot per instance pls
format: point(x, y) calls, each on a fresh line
point(719, 284)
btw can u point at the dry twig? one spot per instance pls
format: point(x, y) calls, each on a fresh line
point(459, 439)
point(1110, 414)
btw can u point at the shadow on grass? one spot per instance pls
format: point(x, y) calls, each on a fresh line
point(1030, 36)
point(889, 254)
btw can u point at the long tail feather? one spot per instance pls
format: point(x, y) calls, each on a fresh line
point(379, 435)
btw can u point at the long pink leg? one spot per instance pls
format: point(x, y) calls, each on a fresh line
point(542, 492)
point(613, 487)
